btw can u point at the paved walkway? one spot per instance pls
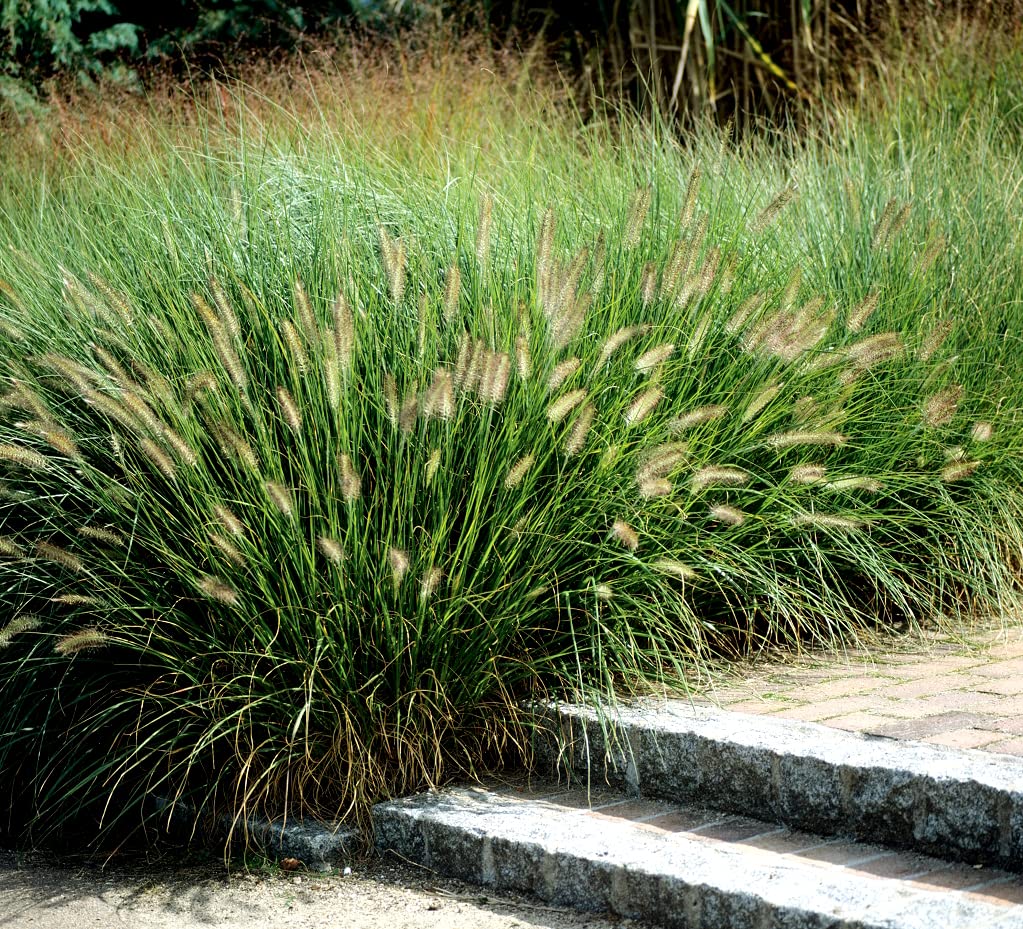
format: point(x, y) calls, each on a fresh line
point(966, 693)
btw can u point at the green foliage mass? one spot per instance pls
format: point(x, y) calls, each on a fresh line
point(321, 450)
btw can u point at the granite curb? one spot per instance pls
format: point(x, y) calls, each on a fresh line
point(677, 881)
point(315, 844)
point(960, 804)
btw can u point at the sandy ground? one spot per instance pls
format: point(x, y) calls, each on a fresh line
point(47, 892)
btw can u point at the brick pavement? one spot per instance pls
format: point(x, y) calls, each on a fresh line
point(965, 692)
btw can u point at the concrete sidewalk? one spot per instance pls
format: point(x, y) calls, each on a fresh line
point(962, 693)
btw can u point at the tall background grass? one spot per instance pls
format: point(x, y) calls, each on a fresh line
point(345, 409)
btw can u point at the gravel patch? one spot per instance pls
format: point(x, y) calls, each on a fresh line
point(185, 892)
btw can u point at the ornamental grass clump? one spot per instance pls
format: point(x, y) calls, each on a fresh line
point(290, 534)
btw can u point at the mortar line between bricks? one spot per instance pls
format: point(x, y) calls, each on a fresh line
point(762, 835)
point(614, 803)
point(811, 848)
point(887, 853)
point(717, 822)
point(993, 882)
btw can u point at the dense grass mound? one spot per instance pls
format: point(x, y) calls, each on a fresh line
point(321, 452)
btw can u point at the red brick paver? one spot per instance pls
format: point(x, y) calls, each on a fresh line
point(966, 693)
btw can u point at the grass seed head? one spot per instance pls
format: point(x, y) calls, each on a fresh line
point(186, 454)
point(643, 406)
point(699, 416)
point(625, 534)
point(98, 534)
point(330, 549)
point(863, 310)
point(729, 515)
point(760, 401)
point(304, 312)
point(676, 268)
point(409, 412)
point(518, 471)
point(617, 339)
point(567, 323)
point(225, 312)
point(655, 487)
point(900, 221)
point(61, 443)
point(226, 547)
point(794, 437)
point(884, 225)
point(281, 497)
point(827, 521)
point(432, 466)
point(344, 331)
point(18, 625)
point(430, 582)
point(391, 397)
point(981, 431)
point(562, 372)
point(215, 588)
point(114, 367)
point(228, 520)
point(523, 361)
point(203, 382)
point(289, 410)
point(662, 460)
point(234, 446)
point(808, 474)
point(483, 230)
point(649, 287)
point(940, 408)
point(872, 351)
point(9, 548)
point(770, 212)
point(853, 196)
point(691, 199)
point(698, 336)
point(74, 600)
point(935, 339)
point(440, 397)
point(653, 359)
point(638, 210)
point(159, 457)
point(494, 386)
point(731, 477)
point(869, 484)
point(142, 412)
point(476, 366)
point(462, 360)
point(398, 559)
point(83, 640)
point(674, 568)
point(296, 346)
point(48, 551)
point(351, 483)
point(232, 363)
point(577, 435)
point(452, 288)
point(958, 470)
point(393, 251)
point(564, 405)
point(934, 251)
point(749, 308)
point(25, 457)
